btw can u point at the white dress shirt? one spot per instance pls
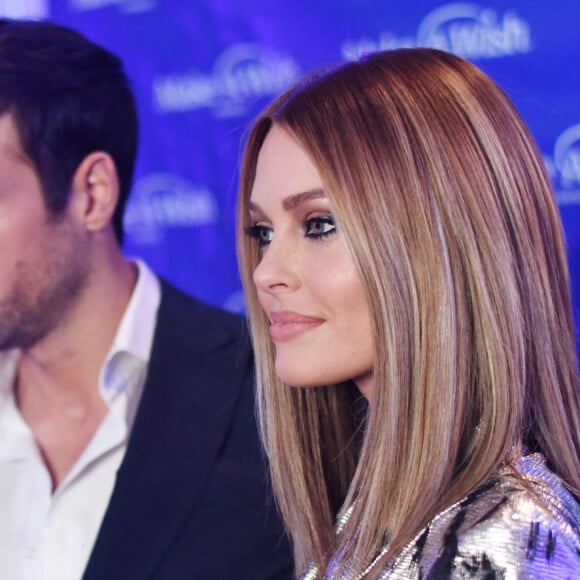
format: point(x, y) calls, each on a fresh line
point(46, 535)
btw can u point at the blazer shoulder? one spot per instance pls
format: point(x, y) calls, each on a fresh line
point(183, 315)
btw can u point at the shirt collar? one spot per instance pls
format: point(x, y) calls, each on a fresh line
point(131, 348)
point(135, 332)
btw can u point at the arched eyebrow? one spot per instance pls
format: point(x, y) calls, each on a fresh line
point(291, 202)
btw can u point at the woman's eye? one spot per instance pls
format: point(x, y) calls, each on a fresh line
point(263, 234)
point(317, 227)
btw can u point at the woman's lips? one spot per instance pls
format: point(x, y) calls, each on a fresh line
point(287, 325)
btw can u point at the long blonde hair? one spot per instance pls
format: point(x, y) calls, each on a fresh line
point(446, 207)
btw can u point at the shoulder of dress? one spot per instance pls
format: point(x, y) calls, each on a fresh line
point(519, 523)
point(523, 522)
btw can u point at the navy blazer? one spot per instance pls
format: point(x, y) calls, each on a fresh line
point(191, 499)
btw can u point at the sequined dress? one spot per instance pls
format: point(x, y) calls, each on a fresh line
point(504, 530)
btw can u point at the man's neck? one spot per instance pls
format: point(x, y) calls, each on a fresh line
point(57, 382)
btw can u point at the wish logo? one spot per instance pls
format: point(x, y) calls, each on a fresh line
point(240, 76)
point(126, 6)
point(468, 30)
point(564, 166)
point(27, 9)
point(162, 201)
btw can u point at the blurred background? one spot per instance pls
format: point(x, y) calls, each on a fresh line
point(202, 69)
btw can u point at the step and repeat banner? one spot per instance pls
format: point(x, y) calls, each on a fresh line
point(202, 69)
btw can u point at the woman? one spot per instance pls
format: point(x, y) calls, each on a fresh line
point(398, 237)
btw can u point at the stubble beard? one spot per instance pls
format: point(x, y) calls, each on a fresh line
point(42, 297)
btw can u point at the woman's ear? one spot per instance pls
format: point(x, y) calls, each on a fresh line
point(95, 191)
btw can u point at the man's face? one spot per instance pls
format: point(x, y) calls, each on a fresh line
point(42, 267)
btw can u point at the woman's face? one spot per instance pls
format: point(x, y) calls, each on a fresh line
point(306, 279)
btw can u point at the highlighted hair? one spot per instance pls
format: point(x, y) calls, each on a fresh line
point(446, 207)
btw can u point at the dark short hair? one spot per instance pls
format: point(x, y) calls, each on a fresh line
point(68, 97)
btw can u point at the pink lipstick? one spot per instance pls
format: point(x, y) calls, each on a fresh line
point(287, 325)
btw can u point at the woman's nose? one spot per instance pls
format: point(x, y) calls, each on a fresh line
point(278, 269)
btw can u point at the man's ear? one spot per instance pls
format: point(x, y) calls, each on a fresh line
point(95, 190)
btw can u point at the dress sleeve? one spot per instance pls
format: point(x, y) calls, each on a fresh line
point(509, 545)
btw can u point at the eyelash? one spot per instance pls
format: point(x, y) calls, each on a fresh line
point(257, 232)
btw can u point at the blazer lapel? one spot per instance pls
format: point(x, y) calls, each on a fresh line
point(186, 407)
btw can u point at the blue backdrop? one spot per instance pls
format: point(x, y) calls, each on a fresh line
point(202, 69)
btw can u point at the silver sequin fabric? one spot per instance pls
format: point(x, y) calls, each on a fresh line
point(514, 527)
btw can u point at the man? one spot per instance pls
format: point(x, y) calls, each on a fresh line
point(128, 448)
